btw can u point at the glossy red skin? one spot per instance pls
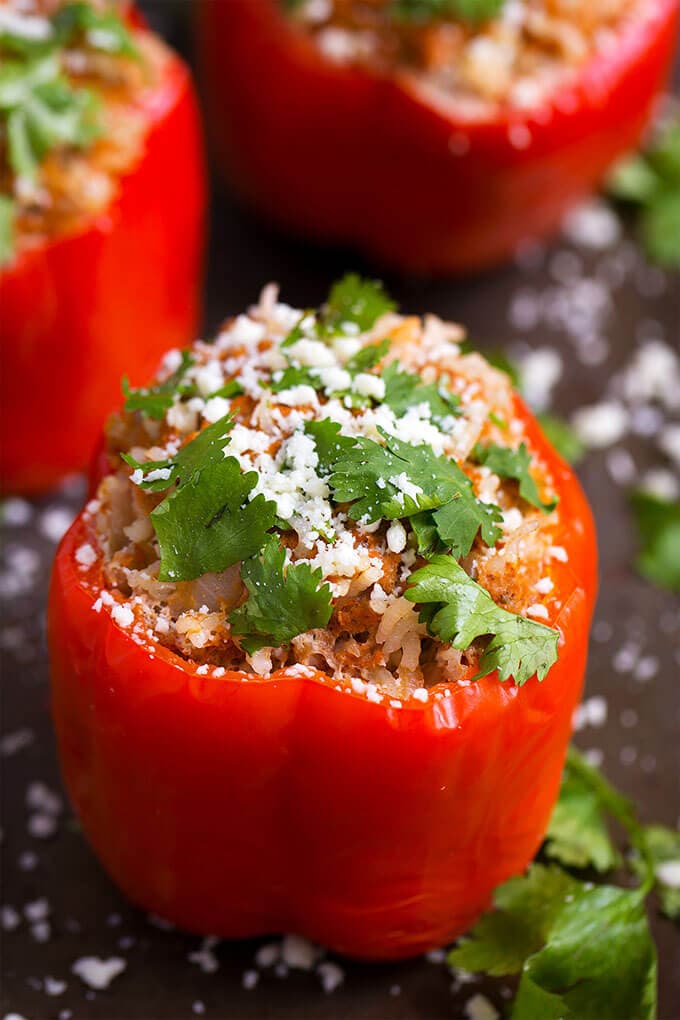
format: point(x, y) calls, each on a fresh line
point(240, 808)
point(342, 155)
point(80, 311)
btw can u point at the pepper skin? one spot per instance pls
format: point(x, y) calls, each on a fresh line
point(339, 154)
point(239, 806)
point(80, 310)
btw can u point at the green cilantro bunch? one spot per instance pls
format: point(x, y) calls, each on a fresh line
point(583, 951)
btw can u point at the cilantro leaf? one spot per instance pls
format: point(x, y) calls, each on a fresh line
point(599, 961)
point(525, 910)
point(154, 401)
point(651, 182)
point(42, 110)
point(368, 357)
point(293, 376)
point(458, 521)
point(230, 389)
point(284, 600)
point(404, 480)
point(514, 464)
point(658, 524)
point(330, 444)
point(103, 30)
point(206, 449)
point(356, 301)
point(458, 610)
point(660, 228)
point(584, 951)
point(207, 524)
point(562, 437)
point(503, 363)
point(577, 835)
point(428, 10)
point(661, 846)
point(394, 480)
point(6, 229)
point(405, 389)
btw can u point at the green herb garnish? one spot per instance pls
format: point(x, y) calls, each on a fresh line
point(514, 464)
point(658, 524)
point(429, 10)
point(562, 437)
point(405, 389)
point(284, 600)
point(650, 182)
point(208, 522)
point(6, 229)
point(397, 479)
point(154, 401)
point(356, 302)
point(459, 611)
point(40, 109)
point(584, 951)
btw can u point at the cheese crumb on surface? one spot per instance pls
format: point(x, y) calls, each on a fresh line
point(98, 973)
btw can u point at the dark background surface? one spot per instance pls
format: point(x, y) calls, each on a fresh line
point(592, 307)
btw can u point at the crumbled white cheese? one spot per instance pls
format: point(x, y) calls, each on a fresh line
point(98, 973)
point(331, 975)
point(85, 555)
point(601, 424)
point(123, 615)
point(396, 537)
point(369, 385)
point(216, 408)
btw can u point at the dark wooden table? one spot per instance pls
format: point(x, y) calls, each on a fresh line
point(594, 307)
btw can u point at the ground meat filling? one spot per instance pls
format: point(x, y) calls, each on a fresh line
point(374, 635)
point(515, 56)
point(74, 183)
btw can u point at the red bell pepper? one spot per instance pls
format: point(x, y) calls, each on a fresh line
point(340, 154)
point(241, 805)
point(80, 310)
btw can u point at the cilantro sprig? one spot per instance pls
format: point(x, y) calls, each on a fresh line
point(429, 10)
point(584, 951)
point(513, 464)
point(284, 600)
point(394, 479)
point(354, 301)
point(579, 833)
point(658, 524)
point(154, 401)
point(650, 182)
point(404, 389)
point(459, 611)
point(208, 521)
point(40, 109)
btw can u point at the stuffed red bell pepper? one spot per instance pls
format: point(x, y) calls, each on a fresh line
point(101, 225)
point(435, 135)
point(317, 640)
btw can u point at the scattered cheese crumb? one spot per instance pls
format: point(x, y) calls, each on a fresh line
point(98, 973)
